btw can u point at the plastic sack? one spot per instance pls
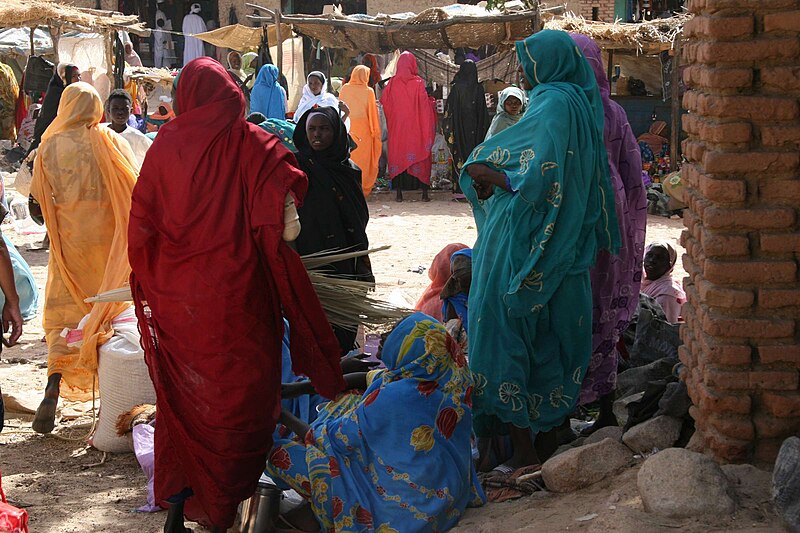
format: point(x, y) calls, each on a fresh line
point(144, 448)
point(24, 282)
point(124, 382)
point(12, 519)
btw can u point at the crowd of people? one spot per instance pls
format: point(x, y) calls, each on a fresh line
point(207, 219)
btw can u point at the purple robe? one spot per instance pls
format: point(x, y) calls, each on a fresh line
point(615, 279)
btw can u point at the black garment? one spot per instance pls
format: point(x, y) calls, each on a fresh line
point(49, 109)
point(466, 119)
point(334, 214)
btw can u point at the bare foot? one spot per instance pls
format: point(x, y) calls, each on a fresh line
point(45, 419)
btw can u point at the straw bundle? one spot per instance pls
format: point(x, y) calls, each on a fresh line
point(638, 35)
point(31, 13)
point(342, 299)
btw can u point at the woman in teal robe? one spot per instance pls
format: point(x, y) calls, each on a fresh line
point(543, 205)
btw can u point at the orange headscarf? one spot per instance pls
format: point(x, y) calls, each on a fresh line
point(90, 170)
point(365, 128)
point(430, 303)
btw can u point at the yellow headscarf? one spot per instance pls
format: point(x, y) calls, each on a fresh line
point(81, 108)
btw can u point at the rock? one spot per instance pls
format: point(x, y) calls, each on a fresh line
point(681, 484)
point(635, 379)
point(657, 433)
point(786, 483)
point(749, 481)
point(621, 407)
point(608, 432)
point(580, 467)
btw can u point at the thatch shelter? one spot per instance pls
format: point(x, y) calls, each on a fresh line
point(435, 28)
point(33, 13)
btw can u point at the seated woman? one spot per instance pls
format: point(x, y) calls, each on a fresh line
point(455, 296)
point(430, 302)
point(334, 215)
point(367, 465)
point(659, 261)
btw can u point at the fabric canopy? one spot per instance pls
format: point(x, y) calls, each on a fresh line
point(242, 38)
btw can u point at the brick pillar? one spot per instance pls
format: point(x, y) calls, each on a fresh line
point(741, 347)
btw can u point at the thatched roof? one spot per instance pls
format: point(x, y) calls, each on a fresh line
point(32, 13)
point(432, 29)
point(649, 37)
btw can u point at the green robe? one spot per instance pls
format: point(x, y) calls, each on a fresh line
point(530, 301)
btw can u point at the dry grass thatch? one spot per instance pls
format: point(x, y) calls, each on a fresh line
point(651, 35)
point(31, 13)
point(431, 29)
point(342, 299)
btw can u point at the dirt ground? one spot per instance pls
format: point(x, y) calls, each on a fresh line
point(66, 489)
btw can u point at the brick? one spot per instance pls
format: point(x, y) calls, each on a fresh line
point(756, 108)
point(780, 191)
point(718, 245)
point(693, 150)
point(780, 136)
point(750, 272)
point(725, 354)
point(774, 379)
point(737, 427)
point(714, 6)
point(715, 161)
point(779, 353)
point(780, 242)
point(719, 27)
point(726, 379)
point(751, 328)
point(778, 298)
point(723, 191)
point(718, 78)
point(783, 21)
point(782, 78)
point(781, 405)
point(749, 219)
point(750, 50)
point(709, 400)
point(724, 447)
point(717, 132)
point(715, 296)
point(772, 427)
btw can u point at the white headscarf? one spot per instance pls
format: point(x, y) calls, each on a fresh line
point(195, 8)
point(309, 99)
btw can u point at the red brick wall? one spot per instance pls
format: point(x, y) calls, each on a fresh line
point(741, 336)
point(606, 9)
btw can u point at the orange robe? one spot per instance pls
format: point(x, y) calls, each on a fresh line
point(83, 178)
point(365, 128)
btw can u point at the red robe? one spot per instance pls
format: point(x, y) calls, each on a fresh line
point(212, 278)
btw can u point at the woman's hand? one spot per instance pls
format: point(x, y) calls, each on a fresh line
point(293, 390)
point(344, 110)
point(485, 180)
point(356, 363)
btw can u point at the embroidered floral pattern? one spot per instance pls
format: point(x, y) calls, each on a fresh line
point(422, 439)
point(534, 281)
point(525, 159)
point(554, 197)
point(510, 394)
point(500, 157)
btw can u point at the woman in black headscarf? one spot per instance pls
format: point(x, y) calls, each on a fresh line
point(334, 215)
point(466, 118)
point(65, 74)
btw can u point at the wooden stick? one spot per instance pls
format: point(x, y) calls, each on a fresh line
point(675, 133)
point(280, 40)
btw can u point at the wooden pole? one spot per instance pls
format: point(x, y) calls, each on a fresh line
point(279, 39)
point(610, 68)
point(33, 48)
point(675, 129)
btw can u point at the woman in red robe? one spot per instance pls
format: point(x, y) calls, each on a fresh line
point(212, 278)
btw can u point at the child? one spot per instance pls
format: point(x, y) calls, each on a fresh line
point(510, 107)
point(659, 261)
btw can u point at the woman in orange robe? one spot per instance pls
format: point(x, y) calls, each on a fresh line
point(365, 129)
point(83, 178)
